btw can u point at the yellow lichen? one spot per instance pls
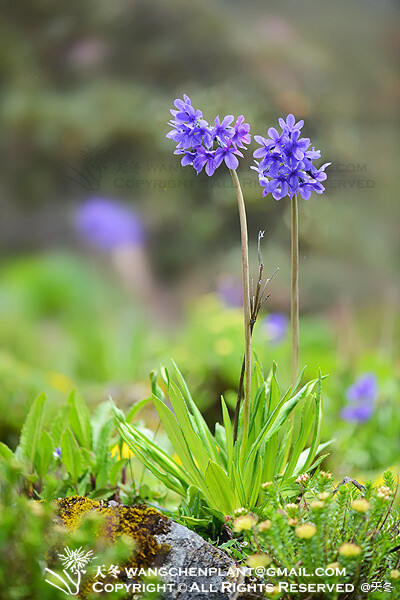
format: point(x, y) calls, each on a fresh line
point(140, 522)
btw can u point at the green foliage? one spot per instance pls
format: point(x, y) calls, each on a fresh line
point(213, 464)
point(30, 540)
point(74, 456)
point(325, 529)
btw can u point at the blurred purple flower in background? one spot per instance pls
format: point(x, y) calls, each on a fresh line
point(276, 326)
point(57, 452)
point(106, 224)
point(357, 413)
point(364, 389)
point(361, 398)
point(230, 291)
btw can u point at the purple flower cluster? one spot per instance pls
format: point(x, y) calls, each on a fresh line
point(205, 145)
point(276, 326)
point(286, 167)
point(361, 398)
point(107, 225)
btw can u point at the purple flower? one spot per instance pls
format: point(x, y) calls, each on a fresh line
point(357, 413)
point(227, 154)
point(230, 291)
point(286, 166)
point(361, 398)
point(203, 145)
point(106, 224)
point(222, 131)
point(205, 158)
point(364, 389)
point(276, 326)
point(57, 453)
point(241, 133)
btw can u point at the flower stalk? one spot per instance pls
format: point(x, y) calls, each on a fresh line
point(246, 308)
point(294, 312)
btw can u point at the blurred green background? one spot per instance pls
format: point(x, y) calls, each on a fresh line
point(87, 88)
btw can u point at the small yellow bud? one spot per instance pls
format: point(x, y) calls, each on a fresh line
point(325, 475)
point(266, 484)
point(303, 478)
point(317, 505)
point(395, 574)
point(258, 560)
point(323, 495)
point(292, 522)
point(292, 508)
point(349, 550)
point(240, 511)
point(36, 508)
point(360, 505)
point(335, 566)
point(244, 523)
point(305, 531)
point(264, 526)
point(384, 492)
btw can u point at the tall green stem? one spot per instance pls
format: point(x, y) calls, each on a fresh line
point(295, 290)
point(246, 309)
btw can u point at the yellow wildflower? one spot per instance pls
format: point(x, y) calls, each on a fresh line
point(264, 526)
point(349, 549)
point(395, 574)
point(244, 523)
point(305, 531)
point(360, 505)
point(258, 560)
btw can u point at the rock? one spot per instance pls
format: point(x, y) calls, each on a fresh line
point(187, 565)
point(205, 570)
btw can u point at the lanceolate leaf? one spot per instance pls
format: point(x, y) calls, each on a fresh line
point(79, 420)
point(178, 441)
point(202, 428)
point(183, 421)
point(71, 456)
point(269, 428)
point(31, 432)
point(44, 454)
point(318, 425)
point(219, 487)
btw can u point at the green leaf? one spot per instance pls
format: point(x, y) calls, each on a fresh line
point(31, 432)
point(60, 424)
point(220, 489)
point(178, 441)
point(273, 425)
point(44, 454)
point(228, 436)
point(79, 420)
point(256, 483)
point(70, 455)
point(151, 456)
point(115, 470)
point(318, 424)
point(137, 408)
point(305, 427)
point(191, 436)
point(202, 428)
point(257, 413)
point(102, 443)
point(5, 453)
point(155, 388)
point(300, 467)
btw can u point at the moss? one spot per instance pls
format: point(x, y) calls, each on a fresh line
point(139, 522)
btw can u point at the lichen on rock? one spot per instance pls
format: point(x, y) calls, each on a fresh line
point(159, 542)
